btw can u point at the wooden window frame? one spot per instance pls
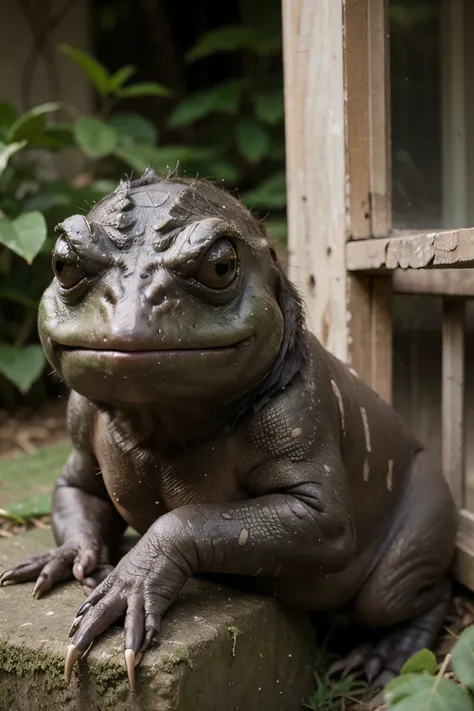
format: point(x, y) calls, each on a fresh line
point(344, 255)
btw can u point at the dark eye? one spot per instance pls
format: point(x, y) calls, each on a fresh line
point(219, 265)
point(66, 266)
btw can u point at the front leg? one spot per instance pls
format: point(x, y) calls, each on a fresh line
point(280, 535)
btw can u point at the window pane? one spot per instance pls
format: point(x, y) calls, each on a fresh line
point(416, 108)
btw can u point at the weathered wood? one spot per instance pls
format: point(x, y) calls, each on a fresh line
point(367, 118)
point(453, 396)
point(440, 282)
point(381, 337)
point(358, 118)
point(370, 348)
point(464, 559)
point(416, 251)
point(380, 154)
point(315, 160)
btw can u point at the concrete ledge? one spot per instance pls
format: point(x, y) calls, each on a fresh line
point(219, 651)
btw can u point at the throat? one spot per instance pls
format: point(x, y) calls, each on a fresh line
point(165, 429)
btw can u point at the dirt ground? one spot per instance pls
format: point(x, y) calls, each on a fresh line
point(27, 429)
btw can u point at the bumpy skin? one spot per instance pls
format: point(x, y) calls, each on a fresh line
point(204, 415)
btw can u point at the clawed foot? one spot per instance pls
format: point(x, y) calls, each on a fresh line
point(139, 590)
point(88, 563)
point(378, 662)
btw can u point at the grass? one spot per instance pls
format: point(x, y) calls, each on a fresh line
point(27, 481)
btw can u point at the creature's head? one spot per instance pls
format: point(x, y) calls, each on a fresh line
point(169, 292)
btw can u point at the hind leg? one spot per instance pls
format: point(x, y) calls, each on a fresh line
point(408, 591)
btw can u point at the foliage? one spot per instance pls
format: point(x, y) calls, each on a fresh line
point(422, 686)
point(31, 204)
point(231, 131)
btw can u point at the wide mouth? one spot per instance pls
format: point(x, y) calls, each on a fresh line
point(126, 352)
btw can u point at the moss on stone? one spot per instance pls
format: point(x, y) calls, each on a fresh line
point(169, 663)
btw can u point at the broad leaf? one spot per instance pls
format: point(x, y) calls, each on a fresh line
point(252, 140)
point(133, 128)
point(96, 71)
point(7, 151)
point(230, 38)
point(423, 692)
point(162, 159)
point(462, 658)
point(8, 116)
point(21, 366)
point(25, 235)
point(193, 108)
point(270, 106)
point(148, 88)
point(120, 78)
point(270, 193)
point(423, 661)
point(30, 125)
point(227, 96)
point(95, 137)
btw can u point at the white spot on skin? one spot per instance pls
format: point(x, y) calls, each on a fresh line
point(366, 428)
point(327, 468)
point(366, 469)
point(243, 538)
point(340, 405)
point(226, 515)
point(296, 432)
point(390, 475)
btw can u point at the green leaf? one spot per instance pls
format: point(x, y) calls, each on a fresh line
point(423, 661)
point(30, 125)
point(133, 128)
point(22, 366)
point(97, 73)
point(193, 108)
point(120, 78)
point(423, 692)
point(7, 151)
point(230, 38)
point(8, 115)
point(252, 140)
point(148, 88)
point(270, 193)
point(270, 107)
point(227, 96)
point(162, 159)
point(94, 137)
point(462, 658)
point(25, 235)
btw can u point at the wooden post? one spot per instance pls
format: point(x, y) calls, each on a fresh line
point(337, 168)
point(315, 156)
point(453, 396)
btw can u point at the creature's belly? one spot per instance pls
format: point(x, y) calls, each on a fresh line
point(145, 487)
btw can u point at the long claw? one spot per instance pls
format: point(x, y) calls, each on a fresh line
point(73, 654)
point(4, 576)
point(130, 663)
point(75, 624)
point(83, 608)
point(37, 589)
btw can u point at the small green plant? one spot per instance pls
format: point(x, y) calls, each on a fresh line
point(33, 198)
point(422, 686)
point(330, 695)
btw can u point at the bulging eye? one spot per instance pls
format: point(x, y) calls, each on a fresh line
point(66, 267)
point(218, 267)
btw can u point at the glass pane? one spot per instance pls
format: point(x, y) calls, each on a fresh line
point(416, 108)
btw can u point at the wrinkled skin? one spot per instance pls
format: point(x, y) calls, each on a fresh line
point(203, 414)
